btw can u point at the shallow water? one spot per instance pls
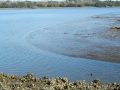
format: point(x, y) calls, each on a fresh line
point(84, 38)
point(18, 56)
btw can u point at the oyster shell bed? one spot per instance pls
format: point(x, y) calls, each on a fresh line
point(31, 82)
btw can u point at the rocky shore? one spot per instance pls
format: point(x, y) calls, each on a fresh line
point(31, 82)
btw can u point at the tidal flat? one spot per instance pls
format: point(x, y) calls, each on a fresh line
point(94, 38)
point(70, 42)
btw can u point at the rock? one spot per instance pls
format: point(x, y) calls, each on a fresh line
point(114, 84)
point(97, 81)
point(45, 77)
point(30, 82)
point(118, 20)
point(65, 80)
point(116, 28)
point(91, 74)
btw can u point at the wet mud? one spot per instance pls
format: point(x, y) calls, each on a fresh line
point(95, 38)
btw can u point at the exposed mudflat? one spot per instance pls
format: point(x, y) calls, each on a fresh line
point(96, 37)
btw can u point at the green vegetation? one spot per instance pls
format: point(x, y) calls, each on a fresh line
point(67, 3)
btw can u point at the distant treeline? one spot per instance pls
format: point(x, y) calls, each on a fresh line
point(67, 3)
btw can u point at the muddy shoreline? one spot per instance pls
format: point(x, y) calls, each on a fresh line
point(31, 82)
point(98, 41)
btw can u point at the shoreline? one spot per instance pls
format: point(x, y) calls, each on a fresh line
point(43, 8)
point(55, 7)
point(51, 8)
point(103, 51)
point(31, 82)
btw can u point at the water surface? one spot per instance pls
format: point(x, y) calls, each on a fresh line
point(18, 56)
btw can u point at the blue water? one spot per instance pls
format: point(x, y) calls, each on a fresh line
point(17, 56)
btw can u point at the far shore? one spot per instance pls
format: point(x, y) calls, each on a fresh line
point(54, 8)
point(43, 8)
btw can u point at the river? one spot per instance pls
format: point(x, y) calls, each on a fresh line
point(20, 54)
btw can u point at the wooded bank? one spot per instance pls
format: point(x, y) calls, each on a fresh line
point(66, 3)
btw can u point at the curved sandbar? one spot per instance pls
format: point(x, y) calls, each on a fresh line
point(87, 38)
